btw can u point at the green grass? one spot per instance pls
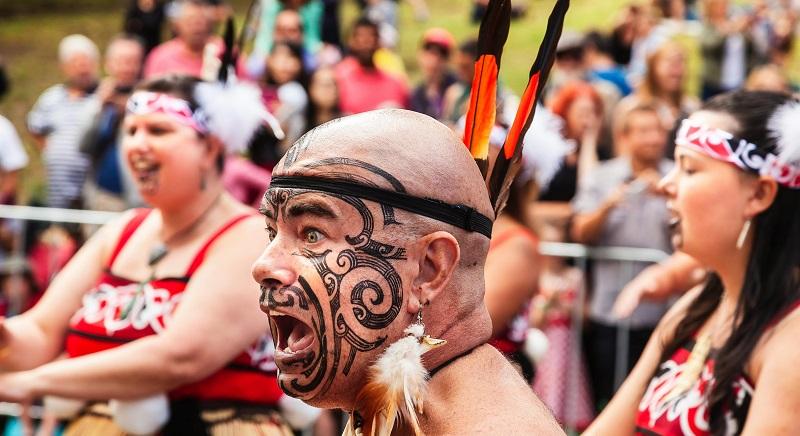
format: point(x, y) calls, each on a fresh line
point(29, 43)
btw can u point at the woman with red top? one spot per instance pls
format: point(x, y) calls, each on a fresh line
point(157, 312)
point(723, 361)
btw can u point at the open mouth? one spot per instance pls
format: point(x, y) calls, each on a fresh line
point(675, 231)
point(145, 172)
point(294, 341)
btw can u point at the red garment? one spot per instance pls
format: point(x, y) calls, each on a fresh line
point(245, 180)
point(173, 57)
point(687, 414)
point(365, 89)
point(98, 326)
point(510, 340)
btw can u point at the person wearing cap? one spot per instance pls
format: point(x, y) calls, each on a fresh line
point(433, 58)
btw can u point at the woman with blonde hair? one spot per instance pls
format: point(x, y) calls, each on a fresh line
point(662, 86)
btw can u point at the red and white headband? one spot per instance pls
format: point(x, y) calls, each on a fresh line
point(231, 112)
point(147, 102)
point(724, 146)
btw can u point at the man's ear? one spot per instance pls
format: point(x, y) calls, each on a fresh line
point(438, 259)
point(763, 195)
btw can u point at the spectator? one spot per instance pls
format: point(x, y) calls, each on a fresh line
point(663, 87)
point(145, 18)
point(569, 63)
point(362, 86)
point(457, 95)
point(18, 290)
point(109, 186)
point(581, 108)
point(13, 159)
point(60, 117)
point(323, 104)
point(284, 91)
point(616, 206)
point(768, 77)
point(553, 311)
point(623, 34)
point(599, 64)
point(311, 13)
point(728, 50)
point(188, 52)
point(433, 58)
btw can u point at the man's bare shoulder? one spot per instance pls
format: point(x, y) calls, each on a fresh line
point(488, 396)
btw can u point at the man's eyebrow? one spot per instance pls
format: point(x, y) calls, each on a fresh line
point(310, 208)
point(262, 209)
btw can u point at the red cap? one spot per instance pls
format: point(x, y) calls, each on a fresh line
point(440, 37)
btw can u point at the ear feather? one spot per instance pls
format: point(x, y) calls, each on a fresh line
point(396, 384)
point(509, 160)
point(482, 108)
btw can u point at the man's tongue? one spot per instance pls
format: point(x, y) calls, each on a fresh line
point(299, 339)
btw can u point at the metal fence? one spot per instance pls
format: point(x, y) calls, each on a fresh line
point(581, 253)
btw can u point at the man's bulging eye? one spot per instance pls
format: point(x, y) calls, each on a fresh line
point(312, 236)
point(271, 233)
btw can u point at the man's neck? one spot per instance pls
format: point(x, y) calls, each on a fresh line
point(194, 51)
point(639, 165)
point(466, 334)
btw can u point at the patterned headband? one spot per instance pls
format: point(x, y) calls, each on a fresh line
point(723, 146)
point(146, 102)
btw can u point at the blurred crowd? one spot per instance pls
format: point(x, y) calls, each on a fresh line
point(594, 155)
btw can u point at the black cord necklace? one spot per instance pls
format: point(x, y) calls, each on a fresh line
point(161, 250)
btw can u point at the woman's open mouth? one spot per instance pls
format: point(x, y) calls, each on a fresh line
point(675, 231)
point(294, 341)
point(145, 172)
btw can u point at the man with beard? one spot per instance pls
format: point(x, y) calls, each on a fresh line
point(362, 86)
point(378, 222)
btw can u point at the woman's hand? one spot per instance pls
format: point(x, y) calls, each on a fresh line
point(17, 387)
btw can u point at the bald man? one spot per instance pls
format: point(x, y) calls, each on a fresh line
point(372, 218)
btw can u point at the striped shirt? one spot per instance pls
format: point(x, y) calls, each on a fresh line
point(63, 120)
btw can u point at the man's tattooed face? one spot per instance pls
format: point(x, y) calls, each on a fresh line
point(332, 285)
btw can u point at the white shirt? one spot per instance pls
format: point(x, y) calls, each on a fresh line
point(12, 154)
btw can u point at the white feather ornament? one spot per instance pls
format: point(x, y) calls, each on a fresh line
point(784, 126)
point(62, 408)
point(396, 386)
point(234, 113)
point(141, 417)
point(544, 148)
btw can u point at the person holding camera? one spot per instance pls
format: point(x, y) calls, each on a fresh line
point(108, 187)
point(616, 205)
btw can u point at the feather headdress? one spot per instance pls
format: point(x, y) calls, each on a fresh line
point(396, 386)
point(482, 107)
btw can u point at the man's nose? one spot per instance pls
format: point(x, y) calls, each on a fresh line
point(274, 267)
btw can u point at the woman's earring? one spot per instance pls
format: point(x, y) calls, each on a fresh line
point(743, 234)
point(202, 180)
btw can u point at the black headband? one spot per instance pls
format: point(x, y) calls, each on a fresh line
point(458, 215)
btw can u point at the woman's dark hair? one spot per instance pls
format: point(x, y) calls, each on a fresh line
point(311, 108)
point(296, 50)
point(771, 281)
point(181, 86)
